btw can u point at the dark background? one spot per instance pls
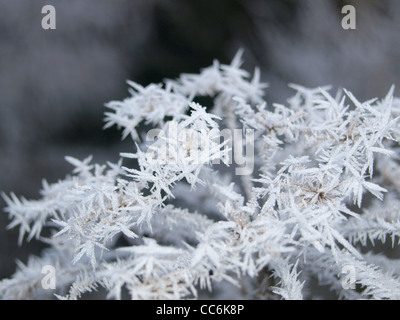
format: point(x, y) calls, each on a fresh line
point(54, 83)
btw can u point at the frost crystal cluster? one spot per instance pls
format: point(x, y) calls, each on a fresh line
point(173, 219)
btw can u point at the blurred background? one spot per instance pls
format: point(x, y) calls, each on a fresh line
point(54, 83)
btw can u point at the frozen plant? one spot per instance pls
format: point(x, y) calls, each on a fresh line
point(172, 220)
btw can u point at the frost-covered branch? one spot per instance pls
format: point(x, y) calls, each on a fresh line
point(173, 217)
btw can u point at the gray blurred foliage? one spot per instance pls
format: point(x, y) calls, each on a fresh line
point(313, 50)
point(54, 83)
